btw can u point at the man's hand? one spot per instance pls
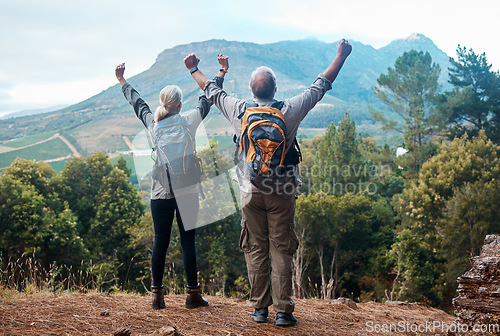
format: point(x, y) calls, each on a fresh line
point(343, 48)
point(223, 61)
point(191, 61)
point(120, 69)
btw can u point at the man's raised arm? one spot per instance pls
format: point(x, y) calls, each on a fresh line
point(302, 103)
point(343, 50)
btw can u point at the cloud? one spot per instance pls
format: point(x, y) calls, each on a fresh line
point(29, 96)
point(448, 23)
point(69, 91)
point(60, 41)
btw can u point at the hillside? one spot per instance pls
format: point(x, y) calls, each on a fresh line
point(102, 121)
point(102, 314)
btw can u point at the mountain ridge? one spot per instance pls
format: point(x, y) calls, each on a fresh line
point(296, 64)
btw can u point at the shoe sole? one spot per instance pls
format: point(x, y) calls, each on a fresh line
point(285, 323)
point(259, 320)
point(192, 306)
point(158, 308)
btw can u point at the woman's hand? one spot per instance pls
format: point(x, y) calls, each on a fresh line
point(223, 61)
point(120, 69)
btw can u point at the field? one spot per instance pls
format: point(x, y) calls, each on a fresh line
point(114, 136)
point(48, 150)
point(102, 314)
point(26, 141)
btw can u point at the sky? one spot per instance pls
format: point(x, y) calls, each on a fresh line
point(55, 52)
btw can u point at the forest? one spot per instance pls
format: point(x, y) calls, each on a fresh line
point(372, 225)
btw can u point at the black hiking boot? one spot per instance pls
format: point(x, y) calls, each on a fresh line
point(260, 315)
point(285, 320)
point(194, 298)
point(158, 297)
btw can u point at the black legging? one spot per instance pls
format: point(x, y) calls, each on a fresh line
point(163, 216)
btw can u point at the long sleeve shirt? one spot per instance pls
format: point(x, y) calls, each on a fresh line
point(143, 112)
point(294, 110)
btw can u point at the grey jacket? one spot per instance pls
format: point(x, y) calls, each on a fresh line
point(143, 112)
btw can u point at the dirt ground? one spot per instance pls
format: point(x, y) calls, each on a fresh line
point(103, 314)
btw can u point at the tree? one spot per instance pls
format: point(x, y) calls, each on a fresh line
point(338, 166)
point(408, 91)
point(102, 198)
point(474, 102)
point(118, 207)
point(33, 219)
point(337, 234)
point(445, 215)
point(106, 205)
point(220, 262)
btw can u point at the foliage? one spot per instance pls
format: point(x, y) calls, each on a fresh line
point(338, 161)
point(445, 215)
point(474, 102)
point(343, 236)
point(82, 214)
point(220, 261)
point(34, 219)
point(408, 90)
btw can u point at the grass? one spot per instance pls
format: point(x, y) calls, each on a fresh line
point(28, 140)
point(48, 150)
point(58, 166)
point(106, 134)
point(27, 275)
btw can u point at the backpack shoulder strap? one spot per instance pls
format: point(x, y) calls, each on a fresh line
point(247, 105)
point(278, 105)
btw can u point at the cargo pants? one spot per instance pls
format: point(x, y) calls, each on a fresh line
point(268, 228)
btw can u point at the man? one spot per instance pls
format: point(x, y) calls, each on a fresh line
point(268, 217)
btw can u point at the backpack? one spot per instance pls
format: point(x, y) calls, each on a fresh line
point(176, 164)
point(261, 148)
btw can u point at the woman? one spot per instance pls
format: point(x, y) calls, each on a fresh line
point(164, 201)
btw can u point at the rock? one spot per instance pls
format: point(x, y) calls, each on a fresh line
point(166, 331)
point(122, 332)
point(348, 302)
point(478, 301)
point(401, 303)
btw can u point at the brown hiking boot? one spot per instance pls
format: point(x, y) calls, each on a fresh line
point(194, 298)
point(158, 297)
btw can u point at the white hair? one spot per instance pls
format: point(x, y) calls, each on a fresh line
point(263, 83)
point(170, 98)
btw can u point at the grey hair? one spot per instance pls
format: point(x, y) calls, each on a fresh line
point(263, 83)
point(170, 98)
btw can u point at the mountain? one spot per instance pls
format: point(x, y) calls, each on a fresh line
point(108, 117)
point(31, 112)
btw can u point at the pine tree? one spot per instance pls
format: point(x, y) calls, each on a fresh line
point(408, 91)
point(474, 102)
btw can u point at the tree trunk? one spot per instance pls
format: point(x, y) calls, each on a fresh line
point(319, 251)
point(334, 274)
point(299, 265)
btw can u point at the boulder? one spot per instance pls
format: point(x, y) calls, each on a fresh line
point(478, 301)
